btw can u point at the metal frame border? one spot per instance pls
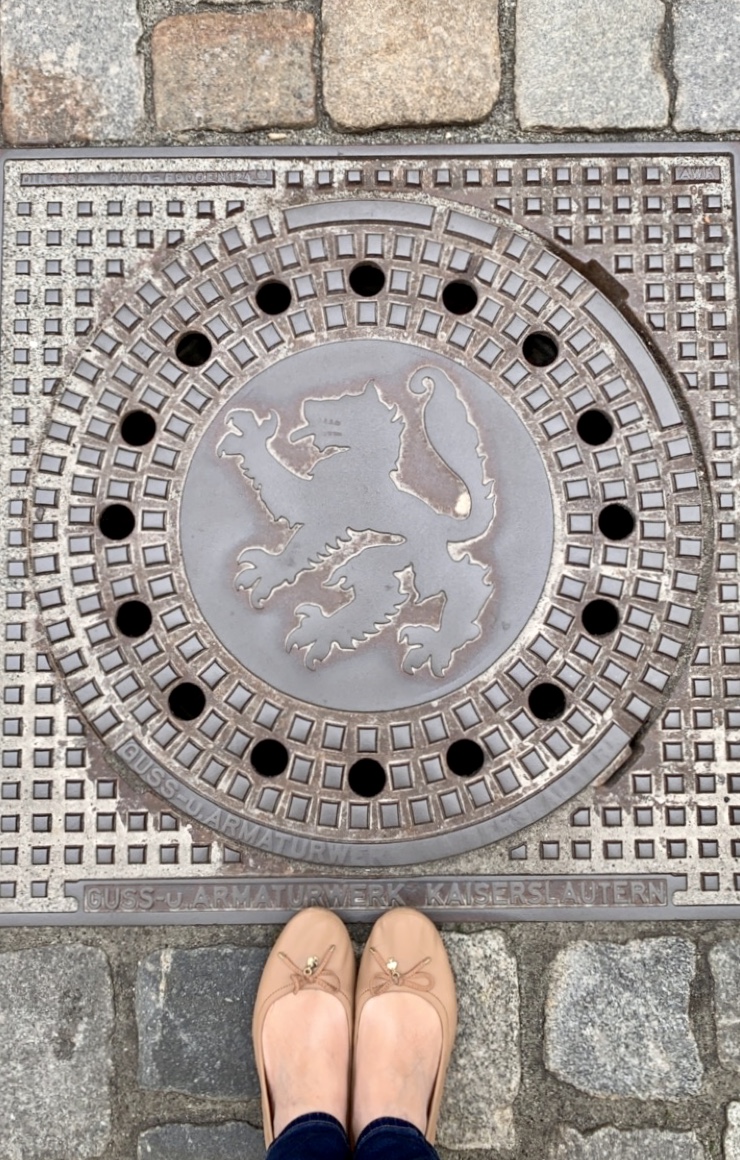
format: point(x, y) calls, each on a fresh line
point(367, 150)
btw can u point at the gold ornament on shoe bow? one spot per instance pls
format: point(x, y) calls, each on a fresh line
point(316, 973)
point(416, 979)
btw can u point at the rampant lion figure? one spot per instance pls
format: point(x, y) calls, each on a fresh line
point(353, 488)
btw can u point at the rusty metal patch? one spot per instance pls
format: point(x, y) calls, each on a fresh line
point(373, 511)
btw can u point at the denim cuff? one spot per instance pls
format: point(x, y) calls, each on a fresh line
point(389, 1138)
point(387, 1122)
point(312, 1136)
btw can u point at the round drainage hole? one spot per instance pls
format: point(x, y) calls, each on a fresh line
point(616, 522)
point(600, 617)
point(138, 428)
point(273, 298)
point(595, 428)
point(117, 521)
point(269, 758)
point(133, 618)
point(367, 280)
point(547, 701)
point(459, 297)
point(194, 348)
point(366, 777)
point(465, 757)
point(539, 349)
point(186, 701)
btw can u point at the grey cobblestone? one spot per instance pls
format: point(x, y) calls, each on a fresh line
point(707, 65)
point(584, 64)
point(609, 1144)
point(234, 71)
point(70, 72)
point(724, 961)
point(617, 1019)
point(212, 1142)
point(732, 1135)
point(484, 1074)
point(56, 1018)
point(421, 62)
point(194, 1017)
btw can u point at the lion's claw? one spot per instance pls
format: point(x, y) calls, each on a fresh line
point(311, 634)
point(424, 647)
point(260, 575)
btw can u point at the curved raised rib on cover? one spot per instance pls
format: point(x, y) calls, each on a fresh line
point(379, 210)
point(631, 345)
point(466, 226)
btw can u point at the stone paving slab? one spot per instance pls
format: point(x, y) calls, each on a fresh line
point(233, 1141)
point(587, 65)
point(610, 1144)
point(617, 1019)
point(479, 1113)
point(234, 72)
point(56, 1019)
point(194, 1017)
point(706, 61)
point(70, 72)
point(422, 62)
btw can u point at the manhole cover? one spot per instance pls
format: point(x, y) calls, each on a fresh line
point(361, 512)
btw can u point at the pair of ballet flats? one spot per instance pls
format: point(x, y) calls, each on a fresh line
point(404, 953)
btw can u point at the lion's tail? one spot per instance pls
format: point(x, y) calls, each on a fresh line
point(455, 440)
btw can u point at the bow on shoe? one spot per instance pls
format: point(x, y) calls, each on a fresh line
point(315, 973)
point(389, 976)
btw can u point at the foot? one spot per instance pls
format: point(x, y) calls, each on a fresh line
point(397, 1055)
point(306, 1047)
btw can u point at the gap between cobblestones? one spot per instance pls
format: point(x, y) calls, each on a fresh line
point(666, 58)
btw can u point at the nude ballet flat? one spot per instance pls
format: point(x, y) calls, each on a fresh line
point(405, 953)
point(313, 951)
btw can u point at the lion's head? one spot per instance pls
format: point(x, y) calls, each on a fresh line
point(361, 421)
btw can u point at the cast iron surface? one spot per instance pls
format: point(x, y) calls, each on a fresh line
point(362, 512)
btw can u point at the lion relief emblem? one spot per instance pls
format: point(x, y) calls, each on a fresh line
point(359, 528)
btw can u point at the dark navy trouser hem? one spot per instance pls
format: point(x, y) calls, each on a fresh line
point(313, 1136)
point(319, 1136)
point(389, 1138)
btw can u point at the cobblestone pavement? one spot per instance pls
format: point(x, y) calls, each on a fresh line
point(577, 1042)
point(199, 71)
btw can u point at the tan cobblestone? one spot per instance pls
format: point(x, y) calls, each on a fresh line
point(234, 72)
point(419, 62)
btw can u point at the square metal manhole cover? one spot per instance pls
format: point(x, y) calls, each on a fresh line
point(369, 533)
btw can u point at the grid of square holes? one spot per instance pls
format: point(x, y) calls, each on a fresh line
point(670, 244)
